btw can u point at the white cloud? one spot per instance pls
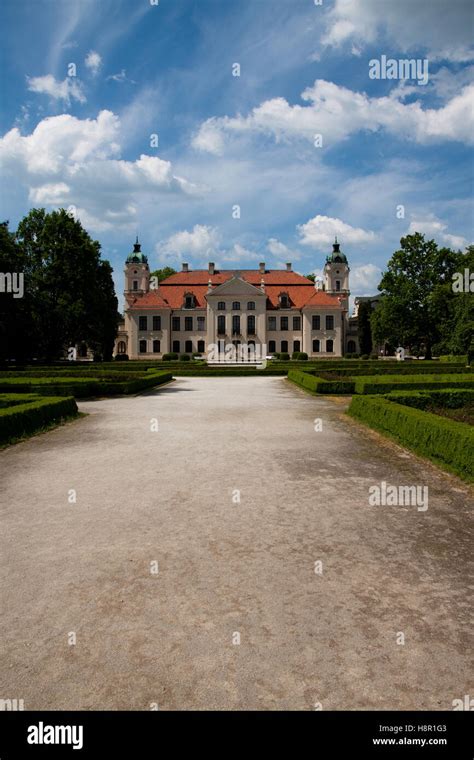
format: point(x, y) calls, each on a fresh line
point(320, 232)
point(120, 77)
point(442, 29)
point(336, 112)
point(434, 229)
point(202, 239)
point(70, 161)
point(67, 90)
point(364, 279)
point(282, 253)
point(93, 61)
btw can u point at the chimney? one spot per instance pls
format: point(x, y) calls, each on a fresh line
point(185, 268)
point(288, 266)
point(262, 267)
point(211, 267)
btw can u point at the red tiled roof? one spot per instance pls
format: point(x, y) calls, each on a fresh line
point(300, 290)
point(322, 299)
point(151, 300)
point(253, 276)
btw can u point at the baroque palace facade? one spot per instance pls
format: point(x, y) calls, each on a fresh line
point(271, 310)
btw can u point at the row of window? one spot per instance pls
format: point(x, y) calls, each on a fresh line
point(316, 322)
point(236, 326)
point(176, 348)
point(221, 325)
point(284, 323)
point(143, 324)
point(317, 346)
point(236, 306)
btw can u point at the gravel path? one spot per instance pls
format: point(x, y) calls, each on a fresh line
point(260, 529)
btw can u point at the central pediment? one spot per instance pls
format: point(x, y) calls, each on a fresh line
point(236, 285)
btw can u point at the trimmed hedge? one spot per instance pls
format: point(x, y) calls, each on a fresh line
point(447, 398)
point(29, 417)
point(318, 385)
point(444, 441)
point(83, 387)
point(387, 383)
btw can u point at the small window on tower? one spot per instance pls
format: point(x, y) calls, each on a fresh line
point(338, 284)
point(135, 285)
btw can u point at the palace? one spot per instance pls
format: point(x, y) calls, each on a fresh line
point(273, 310)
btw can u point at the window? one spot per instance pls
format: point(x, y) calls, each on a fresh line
point(157, 323)
point(201, 346)
point(176, 347)
point(156, 347)
point(329, 322)
point(271, 346)
point(142, 324)
point(284, 346)
point(221, 325)
point(329, 346)
point(284, 323)
point(121, 348)
point(142, 347)
point(272, 323)
point(338, 284)
point(316, 322)
point(221, 306)
point(189, 301)
point(316, 348)
point(201, 324)
point(296, 345)
point(251, 306)
point(236, 325)
point(296, 323)
point(188, 347)
point(188, 323)
point(175, 324)
point(284, 301)
point(135, 285)
point(251, 325)
point(351, 347)
point(236, 305)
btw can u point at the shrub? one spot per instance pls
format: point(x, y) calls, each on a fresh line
point(445, 441)
point(21, 419)
point(184, 358)
point(170, 357)
point(276, 355)
point(284, 357)
point(85, 387)
point(318, 385)
point(121, 358)
point(299, 356)
point(351, 356)
point(364, 357)
point(387, 383)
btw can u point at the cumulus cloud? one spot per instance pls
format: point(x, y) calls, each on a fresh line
point(93, 61)
point(337, 112)
point(434, 229)
point(320, 232)
point(365, 279)
point(70, 161)
point(195, 243)
point(67, 90)
point(441, 29)
point(282, 253)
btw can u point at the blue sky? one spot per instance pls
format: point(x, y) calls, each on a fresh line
point(85, 141)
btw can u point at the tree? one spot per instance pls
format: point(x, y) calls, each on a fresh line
point(364, 329)
point(70, 289)
point(417, 289)
point(311, 277)
point(162, 274)
point(16, 326)
point(457, 324)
